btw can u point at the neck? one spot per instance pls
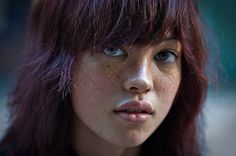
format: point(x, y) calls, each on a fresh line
point(86, 143)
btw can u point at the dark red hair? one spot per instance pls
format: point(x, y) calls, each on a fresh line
point(60, 30)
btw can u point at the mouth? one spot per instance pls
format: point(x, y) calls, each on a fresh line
point(134, 111)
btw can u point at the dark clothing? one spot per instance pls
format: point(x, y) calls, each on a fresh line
point(3, 153)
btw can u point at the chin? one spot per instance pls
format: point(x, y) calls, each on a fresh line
point(132, 143)
point(131, 140)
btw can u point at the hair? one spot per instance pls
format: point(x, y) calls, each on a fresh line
point(60, 30)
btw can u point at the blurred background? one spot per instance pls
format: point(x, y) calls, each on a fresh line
point(220, 109)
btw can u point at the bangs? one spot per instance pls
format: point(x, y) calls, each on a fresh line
point(104, 22)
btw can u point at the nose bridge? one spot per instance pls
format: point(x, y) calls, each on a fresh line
point(140, 70)
point(139, 76)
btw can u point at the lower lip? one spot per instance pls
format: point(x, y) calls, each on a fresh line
point(133, 117)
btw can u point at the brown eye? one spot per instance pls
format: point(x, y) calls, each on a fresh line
point(166, 56)
point(114, 52)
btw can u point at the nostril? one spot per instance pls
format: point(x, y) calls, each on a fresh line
point(139, 90)
point(133, 88)
point(137, 86)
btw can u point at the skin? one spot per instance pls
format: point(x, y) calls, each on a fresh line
point(101, 82)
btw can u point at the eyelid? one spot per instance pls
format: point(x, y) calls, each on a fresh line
point(167, 56)
point(173, 51)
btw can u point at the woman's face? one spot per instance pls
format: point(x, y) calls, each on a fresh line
point(122, 94)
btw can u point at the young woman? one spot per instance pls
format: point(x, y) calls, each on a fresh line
point(102, 77)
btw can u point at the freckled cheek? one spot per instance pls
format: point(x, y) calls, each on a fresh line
point(94, 84)
point(108, 73)
point(166, 87)
point(100, 82)
point(89, 94)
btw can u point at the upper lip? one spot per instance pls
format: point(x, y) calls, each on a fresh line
point(135, 106)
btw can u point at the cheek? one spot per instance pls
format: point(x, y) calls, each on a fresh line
point(87, 95)
point(87, 86)
point(168, 83)
point(92, 79)
point(92, 84)
point(166, 88)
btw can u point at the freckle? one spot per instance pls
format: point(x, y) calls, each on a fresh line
point(117, 77)
point(108, 66)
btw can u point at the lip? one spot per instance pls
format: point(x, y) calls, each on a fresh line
point(134, 111)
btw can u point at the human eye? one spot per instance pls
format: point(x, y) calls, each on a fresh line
point(114, 52)
point(166, 56)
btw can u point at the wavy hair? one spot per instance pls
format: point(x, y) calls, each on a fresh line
point(61, 30)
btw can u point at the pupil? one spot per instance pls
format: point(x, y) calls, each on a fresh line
point(163, 56)
point(112, 49)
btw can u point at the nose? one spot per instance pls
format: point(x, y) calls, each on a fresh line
point(139, 79)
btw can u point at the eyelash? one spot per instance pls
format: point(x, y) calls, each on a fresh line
point(172, 56)
point(160, 56)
